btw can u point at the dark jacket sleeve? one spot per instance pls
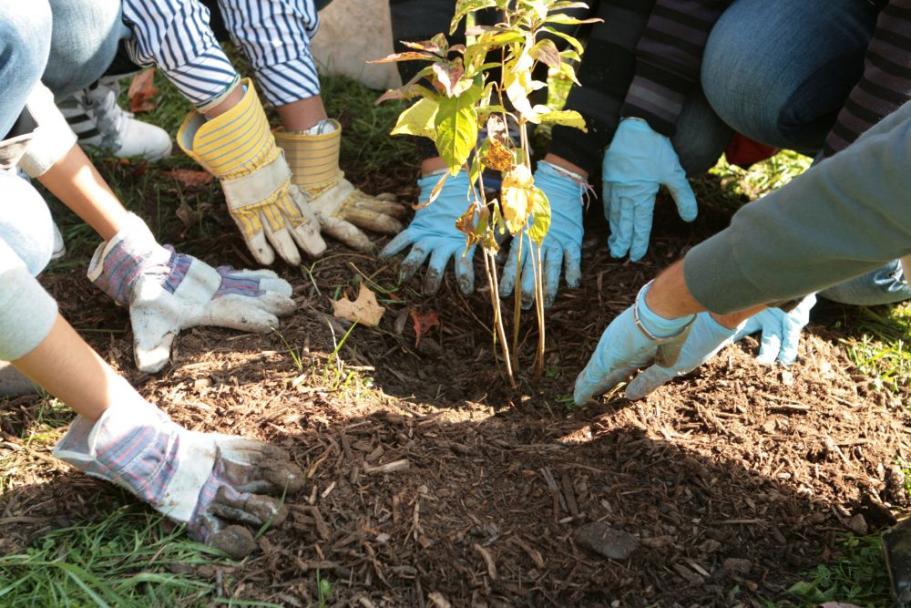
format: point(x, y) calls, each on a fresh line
point(669, 58)
point(605, 74)
point(886, 81)
point(844, 217)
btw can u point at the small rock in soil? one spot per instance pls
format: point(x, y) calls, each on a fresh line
point(737, 565)
point(858, 525)
point(606, 541)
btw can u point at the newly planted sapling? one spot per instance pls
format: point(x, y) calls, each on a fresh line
point(459, 94)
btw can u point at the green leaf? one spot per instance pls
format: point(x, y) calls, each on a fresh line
point(570, 39)
point(547, 53)
point(409, 91)
point(566, 118)
point(419, 119)
point(540, 223)
point(406, 56)
point(457, 128)
point(562, 19)
point(463, 7)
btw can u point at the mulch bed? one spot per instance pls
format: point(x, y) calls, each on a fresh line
point(442, 485)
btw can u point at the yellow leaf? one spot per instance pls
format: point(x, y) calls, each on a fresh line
point(418, 119)
point(364, 310)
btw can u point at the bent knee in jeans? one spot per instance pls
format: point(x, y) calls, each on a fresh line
point(25, 222)
point(85, 38)
point(886, 285)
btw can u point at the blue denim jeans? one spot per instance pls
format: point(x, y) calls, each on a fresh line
point(85, 37)
point(25, 41)
point(70, 42)
point(779, 71)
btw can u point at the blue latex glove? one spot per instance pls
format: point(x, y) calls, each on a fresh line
point(706, 337)
point(780, 331)
point(562, 247)
point(637, 163)
point(432, 233)
point(625, 347)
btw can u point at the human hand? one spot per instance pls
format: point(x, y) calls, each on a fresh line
point(168, 292)
point(217, 485)
point(636, 164)
point(780, 331)
point(273, 215)
point(344, 211)
point(562, 246)
point(432, 233)
point(634, 339)
point(705, 338)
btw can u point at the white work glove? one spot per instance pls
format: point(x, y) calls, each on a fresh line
point(167, 292)
point(203, 480)
point(780, 331)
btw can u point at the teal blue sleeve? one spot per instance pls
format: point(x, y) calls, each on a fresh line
point(846, 216)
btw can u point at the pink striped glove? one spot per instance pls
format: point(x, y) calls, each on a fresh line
point(167, 292)
point(217, 485)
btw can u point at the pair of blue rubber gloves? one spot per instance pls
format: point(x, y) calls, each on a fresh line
point(637, 163)
point(640, 339)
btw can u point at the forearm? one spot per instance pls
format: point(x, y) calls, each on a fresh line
point(844, 217)
point(670, 297)
point(75, 181)
point(66, 367)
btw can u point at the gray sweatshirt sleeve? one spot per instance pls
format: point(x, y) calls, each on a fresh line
point(844, 217)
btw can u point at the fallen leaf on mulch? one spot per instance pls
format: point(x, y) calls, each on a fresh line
point(423, 322)
point(141, 91)
point(364, 310)
point(190, 178)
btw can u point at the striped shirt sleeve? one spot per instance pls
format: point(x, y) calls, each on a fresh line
point(668, 59)
point(886, 81)
point(275, 36)
point(175, 36)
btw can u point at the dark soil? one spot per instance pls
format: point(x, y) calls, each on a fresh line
point(733, 482)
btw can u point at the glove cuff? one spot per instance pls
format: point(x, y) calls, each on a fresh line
point(232, 144)
point(131, 253)
point(654, 326)
point(314, 159)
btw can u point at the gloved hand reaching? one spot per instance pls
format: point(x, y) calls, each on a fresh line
point(706, 337)
point(432, 233)
point(780, 331)
point(562, 246)
point(215, 484)
point(636, 164)
point(342, 209)
point(167, 292)
point(238, 148)
point(635, 338)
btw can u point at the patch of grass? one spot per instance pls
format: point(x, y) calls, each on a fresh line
point(125, 560)
point(761, 178)
point(858, 577)
point(881, 348)
point(366, 143)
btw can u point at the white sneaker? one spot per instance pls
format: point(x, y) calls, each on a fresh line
point(99, 122)
point(59, 245)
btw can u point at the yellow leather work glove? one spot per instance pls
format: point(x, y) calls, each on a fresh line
point(342, 209)
point(239, 149)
